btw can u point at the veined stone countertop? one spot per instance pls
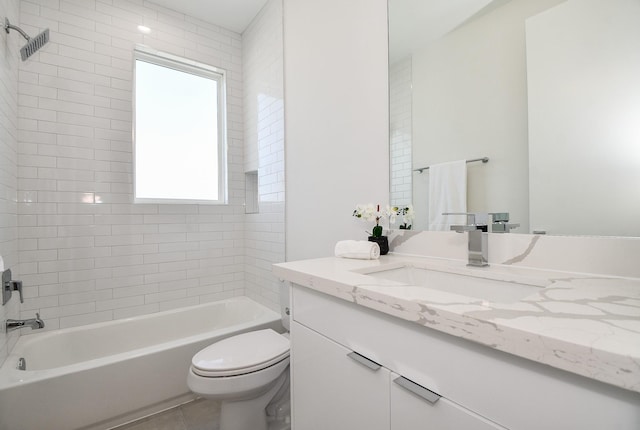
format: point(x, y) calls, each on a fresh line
point(581, 323)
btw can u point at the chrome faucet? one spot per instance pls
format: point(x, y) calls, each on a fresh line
point(34, 323)
point(478, 246)
point(500, 223)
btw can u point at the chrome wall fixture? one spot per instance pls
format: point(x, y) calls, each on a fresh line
point(9, 285)
point(33, 43)
point(483, 159)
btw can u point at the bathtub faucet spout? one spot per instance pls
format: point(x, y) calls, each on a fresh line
point(34, 323)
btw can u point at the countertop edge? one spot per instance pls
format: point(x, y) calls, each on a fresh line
point(580, 359)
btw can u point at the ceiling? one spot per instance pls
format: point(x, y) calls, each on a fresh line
point(235, 15)
point(415, 23)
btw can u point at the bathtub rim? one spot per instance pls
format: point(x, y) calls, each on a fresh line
point(10, 376)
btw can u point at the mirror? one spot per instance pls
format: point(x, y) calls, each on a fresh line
point(546, 89)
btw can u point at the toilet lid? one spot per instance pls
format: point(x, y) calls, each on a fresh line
point(244, 353)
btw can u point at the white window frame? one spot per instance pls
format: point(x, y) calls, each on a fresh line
point(146, 54)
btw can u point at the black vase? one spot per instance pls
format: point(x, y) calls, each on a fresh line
point(382, 242)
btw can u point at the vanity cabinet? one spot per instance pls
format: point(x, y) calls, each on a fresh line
point(421, 411)
point(467, 386)
point(334, 391)
point(336, 388)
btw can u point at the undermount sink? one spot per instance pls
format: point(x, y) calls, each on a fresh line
point(480, 285)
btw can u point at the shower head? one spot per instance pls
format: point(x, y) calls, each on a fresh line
point(33, 43)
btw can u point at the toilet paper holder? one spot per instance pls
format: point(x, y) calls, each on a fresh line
point(9, 285)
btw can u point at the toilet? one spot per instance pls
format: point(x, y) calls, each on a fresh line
point(249, 374)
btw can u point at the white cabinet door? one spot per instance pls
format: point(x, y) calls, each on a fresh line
point(332, 390)
point(415, 408)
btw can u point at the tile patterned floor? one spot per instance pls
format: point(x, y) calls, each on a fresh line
point(201, 414)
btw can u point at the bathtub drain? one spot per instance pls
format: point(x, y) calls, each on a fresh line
point(22, 364)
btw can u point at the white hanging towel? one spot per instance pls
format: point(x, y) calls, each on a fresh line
point(447, 193)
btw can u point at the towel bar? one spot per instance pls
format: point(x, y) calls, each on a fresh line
point(483, 159)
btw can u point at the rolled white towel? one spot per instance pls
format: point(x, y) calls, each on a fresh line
point(359, 249)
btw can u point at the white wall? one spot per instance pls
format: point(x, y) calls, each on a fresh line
point(583, 59)
point(400, 95)
point(262, 60)
point(85, 262)
point(9, 62)
point(336, 119)
point(470, 101)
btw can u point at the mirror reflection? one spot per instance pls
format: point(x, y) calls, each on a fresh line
point(546, 89)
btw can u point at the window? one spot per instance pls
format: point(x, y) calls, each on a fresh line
point(179, 130)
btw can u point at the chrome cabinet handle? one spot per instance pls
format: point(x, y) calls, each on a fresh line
point(417, 389)
point(364, 361)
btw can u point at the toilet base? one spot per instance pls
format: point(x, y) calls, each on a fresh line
point(279, 409)
point(250, 414)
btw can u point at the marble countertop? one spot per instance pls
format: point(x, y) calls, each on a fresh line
point(585, 324)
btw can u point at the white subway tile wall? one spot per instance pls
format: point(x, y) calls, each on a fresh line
point(264, 145)
point(9, 64)
point(86, 253)
point(400, 113)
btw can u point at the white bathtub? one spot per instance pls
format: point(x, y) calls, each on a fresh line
point(101, 375)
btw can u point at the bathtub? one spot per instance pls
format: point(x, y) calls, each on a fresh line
point(102, 375)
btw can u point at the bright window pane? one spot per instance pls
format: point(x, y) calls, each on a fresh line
point(177, 135)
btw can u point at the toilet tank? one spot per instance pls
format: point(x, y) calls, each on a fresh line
point(285, 304)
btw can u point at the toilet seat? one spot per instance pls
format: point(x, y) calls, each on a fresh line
point(241, 354)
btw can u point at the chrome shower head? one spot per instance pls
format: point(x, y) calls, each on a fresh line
point(33, 43)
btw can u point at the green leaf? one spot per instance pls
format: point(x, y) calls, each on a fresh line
point(377, 231)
